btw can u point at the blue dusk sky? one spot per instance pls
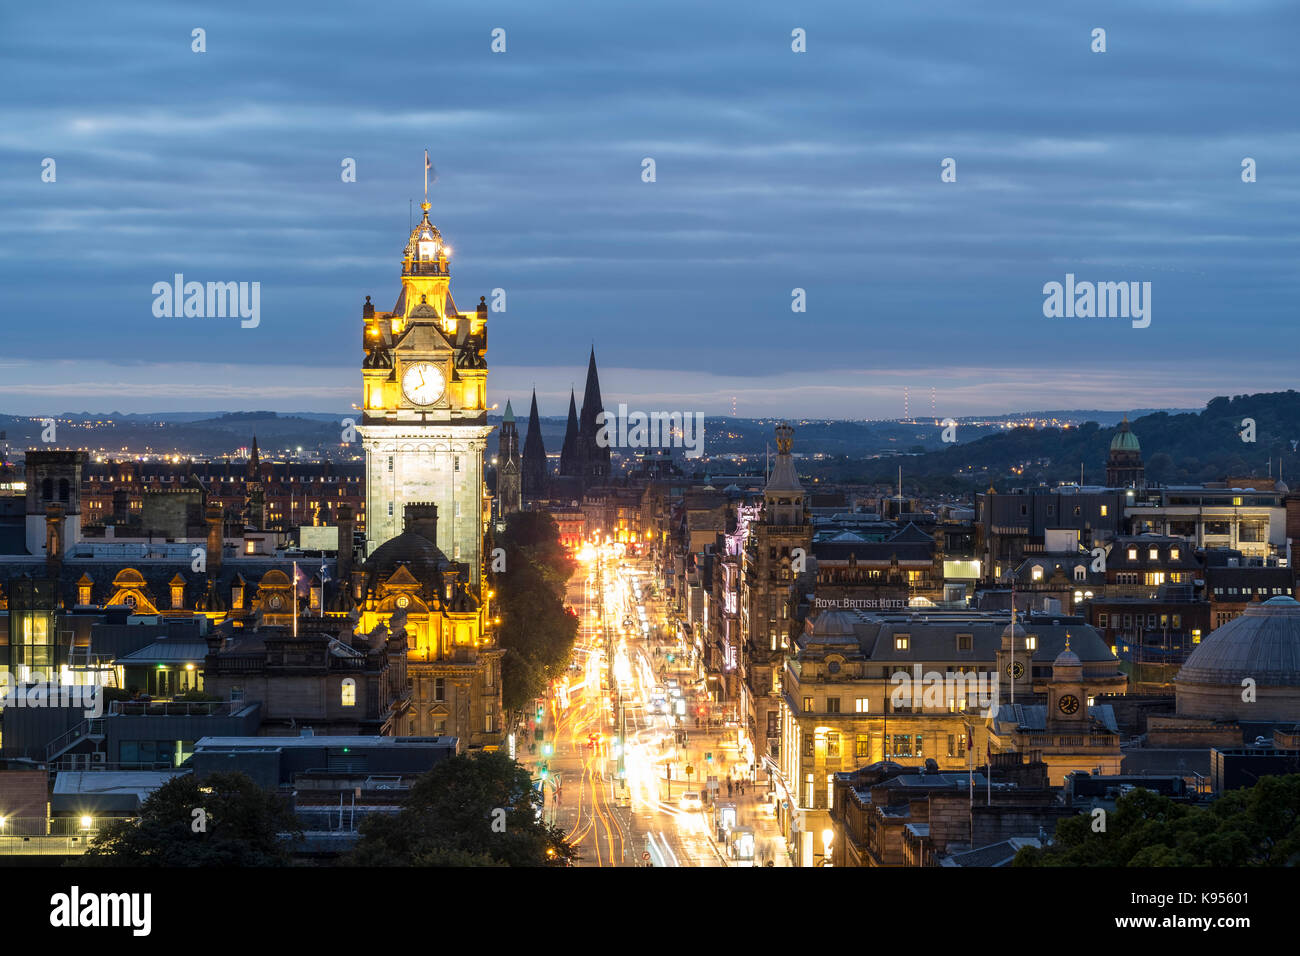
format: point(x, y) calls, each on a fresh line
point(775, 170)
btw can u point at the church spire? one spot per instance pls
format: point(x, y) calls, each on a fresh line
point(593, 456)
point(254, 462)
point(535, 468)
point(570, 463)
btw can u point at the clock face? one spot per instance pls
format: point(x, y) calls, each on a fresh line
point(276, 602)
point(1016, 670)
point(423, 383)
point(1069, 704)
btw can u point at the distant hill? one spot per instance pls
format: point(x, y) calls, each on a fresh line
point(1176, 448)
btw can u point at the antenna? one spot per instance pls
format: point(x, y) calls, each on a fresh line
point(906, 414)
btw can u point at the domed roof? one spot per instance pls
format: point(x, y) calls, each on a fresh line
point(420, 555)
point(1067, 657)
point(1263, 644)
point(1124, 439)
point(1014, 631)
point(834, 623)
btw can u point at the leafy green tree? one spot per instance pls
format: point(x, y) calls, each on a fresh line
point(1255, 826)
point(476, 809)
point(240, 825)
point(536, 630)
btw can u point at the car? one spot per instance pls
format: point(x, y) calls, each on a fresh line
point(690, 800)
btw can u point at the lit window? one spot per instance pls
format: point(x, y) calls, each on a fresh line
point(1173, 554)
point(901, 642)
point(349, 692)
point(1153, 554)
point(862, 706)
point(1132, 554)
point(1037, 572)
point(1105, 510)
point(249, 546)
point(1031, 642)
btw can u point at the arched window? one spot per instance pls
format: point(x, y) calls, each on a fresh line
point(1080, 573)
point(64, 489)
point(1037, 572)
point(47, 489)
point(349, 689)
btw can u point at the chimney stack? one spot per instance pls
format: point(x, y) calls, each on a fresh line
point(346, 525)
point(422, 518)
point(216, 536)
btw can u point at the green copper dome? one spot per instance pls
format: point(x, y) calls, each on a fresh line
point(1124, 439)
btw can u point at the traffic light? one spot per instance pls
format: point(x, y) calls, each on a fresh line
point(539, 713)
point(547, 750)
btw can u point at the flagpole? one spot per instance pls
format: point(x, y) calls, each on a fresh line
point(295, 599)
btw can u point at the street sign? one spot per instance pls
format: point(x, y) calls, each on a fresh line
point(645, 855)
point(689, 770)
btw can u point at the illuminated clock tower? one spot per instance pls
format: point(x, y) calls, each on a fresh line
point(424, 421)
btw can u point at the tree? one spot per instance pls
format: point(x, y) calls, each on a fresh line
point(1256, 826)
point(536, 630)
point(477, 809)
point(237, 824)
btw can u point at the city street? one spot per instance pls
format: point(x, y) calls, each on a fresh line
point(625, 805)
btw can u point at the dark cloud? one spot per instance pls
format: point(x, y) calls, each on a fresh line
point(775, 171)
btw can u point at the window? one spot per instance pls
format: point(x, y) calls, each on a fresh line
point(808, 791)
point(349, 689)
point(390, 462)
point(1102, 619)
point(832, 705)
point(83, 594)
point(809, 746)
point(1173, 554)
point(956, 745)
point(1031, 642)
point(1037, 572)
point(901, 641)
point(1105, 510)
point(1196, 635)
point(1077, 511)
point(457, 463)
point(1132, 554)
point(1153, 554)
point(807, 705)
point(833, 746)
point(440, 688)
point(902, 745)
point(862, 747)
point(1080, 573)
point(965, 642)
point(861, 706)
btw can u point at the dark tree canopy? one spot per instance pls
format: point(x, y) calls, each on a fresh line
point(1256, 826)
point(536, 630)
point(242, 825)
point(450, 818)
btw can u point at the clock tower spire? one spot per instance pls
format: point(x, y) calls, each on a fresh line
point(424, 404)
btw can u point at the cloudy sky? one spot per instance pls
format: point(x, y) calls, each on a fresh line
point(775, 170)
